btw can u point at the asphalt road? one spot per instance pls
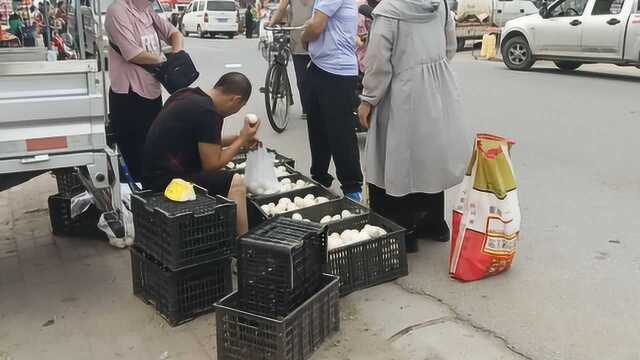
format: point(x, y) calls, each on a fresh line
point(573, 291)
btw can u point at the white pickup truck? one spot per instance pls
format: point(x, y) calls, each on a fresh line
point(575, 32)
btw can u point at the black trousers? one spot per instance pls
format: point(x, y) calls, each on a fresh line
point(248, 33)
point(331, 131)
point(300, 63)
point(131, 117)
point(417, 212)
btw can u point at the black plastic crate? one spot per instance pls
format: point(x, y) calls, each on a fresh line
point(179, 296)
point(68, 181)
point(184, 234)
point(243, 335)
point(280, 159)
point(280, 265)
point(372, 262)
point(257, 216)
point(331, 208)
point(62, 224)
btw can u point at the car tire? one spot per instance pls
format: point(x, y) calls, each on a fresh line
point(231, 36)
point(184, 31)
point(200, 32)
point(567, 65)
point(461, 44)
point(516, 54)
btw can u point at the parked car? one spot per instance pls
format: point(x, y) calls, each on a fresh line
point(575, 32)
point(211, 17)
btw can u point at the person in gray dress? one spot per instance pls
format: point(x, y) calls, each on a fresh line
point(418, 144)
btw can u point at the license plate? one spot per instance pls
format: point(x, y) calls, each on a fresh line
point(222, 20)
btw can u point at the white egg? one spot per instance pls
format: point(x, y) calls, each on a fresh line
point(308, 202)
point(322, 200)
point(253, 118)
point(334, 243)
point(284, 201)
point(325, 219)
point(365, 235)
point(346, 214)
point(266, 209)
point(241, 165)
point(279, 209)
point(298, 201)
point(231, 165)
point(271, 205)
point(296, 216)
point(301, 183)
point(336, 218)
point(357, 237)
point(291, 207)
point(346, 236)
point(285, 181)
point(307, 220)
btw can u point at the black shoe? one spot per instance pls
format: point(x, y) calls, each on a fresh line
point(411, 241)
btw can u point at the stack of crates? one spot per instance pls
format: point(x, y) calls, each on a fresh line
point(280, 266)
point(62, 223)
point(285, 307)
point(181, 260)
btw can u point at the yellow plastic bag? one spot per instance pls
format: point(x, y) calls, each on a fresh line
point(180, 191)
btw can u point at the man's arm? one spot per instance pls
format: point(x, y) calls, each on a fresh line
point(228, 140)
point(277, 17)
point(315, 26)
point(213, 157)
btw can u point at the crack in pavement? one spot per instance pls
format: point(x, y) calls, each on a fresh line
point(420, 325)
point(457, 317)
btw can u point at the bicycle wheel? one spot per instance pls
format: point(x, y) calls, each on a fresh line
point(277, 97)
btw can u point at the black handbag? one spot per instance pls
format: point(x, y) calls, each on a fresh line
point(176, 73)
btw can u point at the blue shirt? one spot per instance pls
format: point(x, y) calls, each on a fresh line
point(335, 50)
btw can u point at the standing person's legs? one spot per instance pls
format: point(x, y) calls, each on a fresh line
point(336, 99)
point(300, 63)
point(248, 29)
point(318, 136)
point(131, 116)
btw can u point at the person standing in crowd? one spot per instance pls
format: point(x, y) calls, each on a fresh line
point(330, 35)
point(299, 13)
point(135, 96)
point(418, 144)
point(186, 141)
point(249, 21)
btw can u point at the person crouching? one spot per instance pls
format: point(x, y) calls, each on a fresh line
point(185, 141)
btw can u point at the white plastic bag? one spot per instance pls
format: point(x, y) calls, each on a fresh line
point(260, 175)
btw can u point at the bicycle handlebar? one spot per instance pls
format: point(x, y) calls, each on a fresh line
point(283, 28)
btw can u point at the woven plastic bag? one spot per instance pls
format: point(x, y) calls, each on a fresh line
point(486, 218)
point(260, 175)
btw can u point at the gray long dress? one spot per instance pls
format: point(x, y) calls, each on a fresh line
point(418, 141)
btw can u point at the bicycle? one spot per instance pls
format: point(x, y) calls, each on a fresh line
point(278, 97)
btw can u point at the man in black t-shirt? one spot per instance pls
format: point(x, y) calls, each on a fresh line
point(185, 141)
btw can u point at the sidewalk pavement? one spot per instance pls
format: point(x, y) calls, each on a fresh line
point(71, 298)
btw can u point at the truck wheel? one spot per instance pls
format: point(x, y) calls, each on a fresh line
point(231, 36)
point(567, 65)
point(461, 44)
point(184, 31)
point(516, 54)
point(200, 32)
